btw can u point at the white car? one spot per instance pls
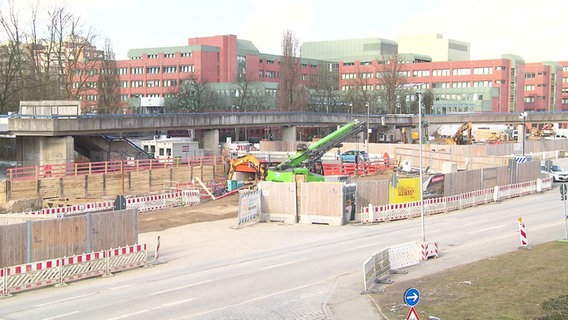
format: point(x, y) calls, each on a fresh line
point(558, 173)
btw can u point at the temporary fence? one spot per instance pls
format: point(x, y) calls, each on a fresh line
point(390, 212)
point(142, 203)
point(59, 271)
point(394, 258)
point(249, 207)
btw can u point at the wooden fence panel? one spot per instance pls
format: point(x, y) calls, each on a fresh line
point(95, 185)
point(113, 229)
point(12, 244)
point(58, 238)
point(322, 199)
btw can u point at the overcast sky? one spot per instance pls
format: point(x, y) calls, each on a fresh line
point(535, 30)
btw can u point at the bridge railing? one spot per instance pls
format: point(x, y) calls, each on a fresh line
point(105, 167)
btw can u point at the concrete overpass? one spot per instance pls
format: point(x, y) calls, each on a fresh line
point(51, 137)
point(58, 126)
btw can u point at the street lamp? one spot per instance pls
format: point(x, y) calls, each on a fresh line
point(523, 116)
point(368, 128)
point(419, 94)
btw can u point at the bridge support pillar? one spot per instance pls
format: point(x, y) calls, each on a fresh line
point(289, 134)
point(32, 151)
point(211, 142)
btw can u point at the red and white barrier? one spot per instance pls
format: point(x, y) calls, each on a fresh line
point(523, 234)
point(408, 210)
point(58, 271)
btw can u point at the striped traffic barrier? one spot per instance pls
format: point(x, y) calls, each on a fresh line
point(523, 234)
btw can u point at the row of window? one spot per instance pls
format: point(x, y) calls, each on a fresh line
point(155, 70)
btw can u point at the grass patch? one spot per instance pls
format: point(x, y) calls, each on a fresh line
point(510, 286)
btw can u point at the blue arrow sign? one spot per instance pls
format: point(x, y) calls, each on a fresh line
point(411, 297)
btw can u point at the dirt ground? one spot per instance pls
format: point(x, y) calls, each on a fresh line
point(207, 210)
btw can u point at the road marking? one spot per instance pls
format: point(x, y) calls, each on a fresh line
point(62, 315)
point(257, 299)
point(179, 288)
point(486, 229)
point(64, 300)
point(282, 264)
point(175, 303)
point(128, 315)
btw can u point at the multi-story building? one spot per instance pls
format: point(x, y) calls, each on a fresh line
point(505, 84)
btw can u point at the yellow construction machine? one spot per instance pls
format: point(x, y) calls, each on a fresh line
point(246, 168)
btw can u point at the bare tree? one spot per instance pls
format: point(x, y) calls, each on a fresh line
point(65, 47)
point(291, 94)
point(326, 97)
point(392, 81)
point(250, 95)
point(108, 84)
point(360, 92)
point(192, 95)
point(12, 61)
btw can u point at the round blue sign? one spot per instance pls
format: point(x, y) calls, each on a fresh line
point(411, 297)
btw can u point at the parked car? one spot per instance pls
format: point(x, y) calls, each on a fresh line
point(350, 155)
point(557, 172)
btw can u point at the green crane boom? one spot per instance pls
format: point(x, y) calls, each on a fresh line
point(305, 158)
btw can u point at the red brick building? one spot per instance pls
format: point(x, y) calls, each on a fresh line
point(507, 84)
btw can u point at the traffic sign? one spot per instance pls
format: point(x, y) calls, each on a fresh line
point(411, 297)
point(412, 315)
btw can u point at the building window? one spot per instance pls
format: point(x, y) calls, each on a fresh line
point(421, 73)
point(186, 54)
point(91, 85)
point(137, 84)
point(501, 68)
point(529, 75)
point(461, 84)
point(91, 97)
point(122, 71)
point(186, 69)
point(152, 83)
point(269, 61)
point(169, 69)
point(123, 97)
point(169, 55)
point(153, 56)
point(440, 85)
point(124, 84)
point(170, 83)
point(137, 70)
point(486, 70)
point(348, 64)
point(529, 87)
point(366, 75)
point(441, 72)
point(529, 99)
point(461, 72)
point(152, 70)
point(270, 74)
point(541, 85)
point(544, 73)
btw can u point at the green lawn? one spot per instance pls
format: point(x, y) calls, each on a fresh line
point(510, 286)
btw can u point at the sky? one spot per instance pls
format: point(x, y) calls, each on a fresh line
point(534, 30)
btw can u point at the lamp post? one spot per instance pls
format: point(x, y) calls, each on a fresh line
point(368, 128)
point(523, 116)
point(419, 94)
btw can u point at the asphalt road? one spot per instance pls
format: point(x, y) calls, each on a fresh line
point(275, 271)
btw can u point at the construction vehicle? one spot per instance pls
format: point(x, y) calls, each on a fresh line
point(246, 168)
point(460, 138)
point(306, 161)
